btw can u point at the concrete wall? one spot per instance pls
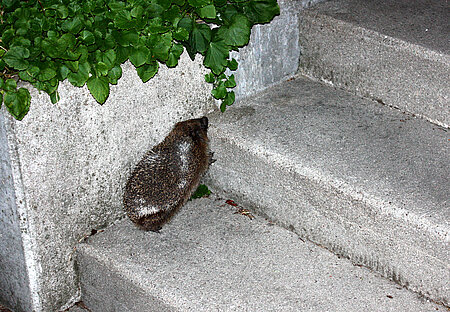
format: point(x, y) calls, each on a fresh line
point(64, 166)
point(68, 163)
point(13, 273)
point(273, 53)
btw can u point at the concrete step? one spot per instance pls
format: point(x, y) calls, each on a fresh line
point(394, 51)
point(211, 259)
point(365, 181)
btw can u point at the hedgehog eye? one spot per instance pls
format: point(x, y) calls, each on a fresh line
point(197, 133)
point(204, 123)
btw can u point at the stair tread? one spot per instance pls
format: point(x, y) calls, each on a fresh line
point(396, 52)
point(421, 22)
point(358, 145)
point(211, 259)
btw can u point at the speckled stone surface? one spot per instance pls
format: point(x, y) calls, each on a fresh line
point(211, 259)
point(366, 181)
point(70, 161)
point(394, 51)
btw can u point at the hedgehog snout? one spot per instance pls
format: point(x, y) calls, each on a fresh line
point(204, 123)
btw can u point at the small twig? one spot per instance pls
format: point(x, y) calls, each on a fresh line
point(42, 7)
point(82, 239)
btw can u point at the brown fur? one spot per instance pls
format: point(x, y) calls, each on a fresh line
point(167, 175)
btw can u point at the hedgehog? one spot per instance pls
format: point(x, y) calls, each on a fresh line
point(167, 175)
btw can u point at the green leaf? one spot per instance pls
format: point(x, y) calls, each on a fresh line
point(139, 55)
point(10, 85)
point(64, 71)
point(99, 88)
point(21, 42)
point(16, 58)
point(154, 10)
point(46, 74)
point(208, 11)
point(122, 54)
point(8, 35)
point(186, 23)
point(172, 16)
point(126, 38)
point(200, 37)
point(114, 74)
point(160, 46)
point(232, 64)
point(237, 33)
point(79, 78)
point(116, 5)
point(24, 76)
point(137, 11)
point(202, 191)
point(2, 84)
point(174, 55)
point(220, 3)
point(229, 100)
point(18, 102)
point(230, 83)
point(261, 11)
point(72, 65)
point(210, 78)
point(61, 9)
point(108, 58)
point(216, 57)
point(101, 69)
point(87, 37)
point(219, 92)
point(199, 3)
point(181, 34)
point(33, 70)
point(54, 97)
point(147, 71)
point(156, 26)
point(72, 25)
point(123, 20)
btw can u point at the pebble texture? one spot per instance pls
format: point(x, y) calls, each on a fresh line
point(211, 259)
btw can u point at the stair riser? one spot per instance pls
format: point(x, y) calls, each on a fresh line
point(104, 290)
point(370, 64)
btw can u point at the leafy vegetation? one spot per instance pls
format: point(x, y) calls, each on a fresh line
point(202, 191)
point(45, 42)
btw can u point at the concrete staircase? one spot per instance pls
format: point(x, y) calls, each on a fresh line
point(321, 169)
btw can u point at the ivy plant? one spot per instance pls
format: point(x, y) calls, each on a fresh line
point(45, 42)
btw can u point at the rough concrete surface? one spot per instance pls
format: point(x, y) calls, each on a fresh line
point(366, 181)
point(14, 282)
point(211, 259)
point(78, 308)
point(393, 51)
point(272, 54)
point(70, 161)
